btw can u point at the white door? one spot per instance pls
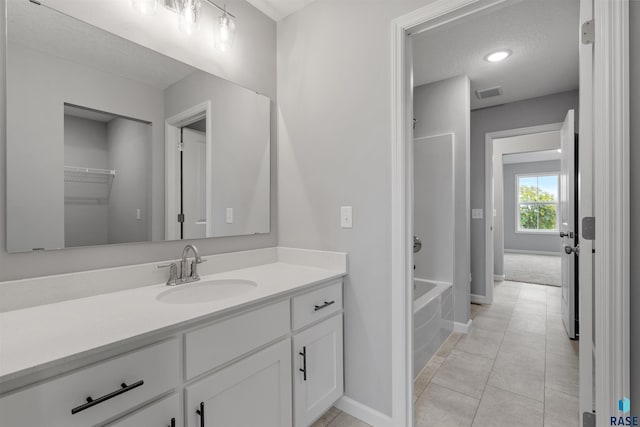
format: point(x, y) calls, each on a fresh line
point(256, 391)
point(194, 169)
point(317, 370)
point(568, 224)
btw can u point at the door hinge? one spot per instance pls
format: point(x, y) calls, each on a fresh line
point(588, 32)
point(589, 228)
point(180, 217)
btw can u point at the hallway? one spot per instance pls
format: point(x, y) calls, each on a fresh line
point(515, 367)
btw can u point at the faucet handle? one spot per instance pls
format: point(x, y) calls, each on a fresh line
point(173, 273)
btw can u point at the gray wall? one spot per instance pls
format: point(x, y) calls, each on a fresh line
point(252, 64)
point(525, 241)
point(334, 99)
point(129, 148)
point(634, 50)
point(444, 107)
point(532, 112)
point(85, 144)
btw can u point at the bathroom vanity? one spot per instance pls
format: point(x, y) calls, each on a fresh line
point(270, 355)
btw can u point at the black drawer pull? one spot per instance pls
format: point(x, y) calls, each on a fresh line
point(303, 353)
point(93, 402)
point(173, 422)
point(201, 413)
point(325, 305)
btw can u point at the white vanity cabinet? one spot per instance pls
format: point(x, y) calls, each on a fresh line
point(277, 363)
point(317, 353)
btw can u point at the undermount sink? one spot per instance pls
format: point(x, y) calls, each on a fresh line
point(205, 291)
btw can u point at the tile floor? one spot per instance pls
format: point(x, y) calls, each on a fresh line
point(515, 368)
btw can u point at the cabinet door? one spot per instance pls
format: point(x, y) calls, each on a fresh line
point(254, 392)
point(164, 413)
point(317, 370)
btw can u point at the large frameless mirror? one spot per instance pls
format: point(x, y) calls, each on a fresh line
point(110, 142)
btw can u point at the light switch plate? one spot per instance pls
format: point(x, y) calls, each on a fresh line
point(229, 215)
point(346, 217)
point(476, 214)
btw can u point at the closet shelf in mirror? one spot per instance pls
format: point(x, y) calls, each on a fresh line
point(87, 184)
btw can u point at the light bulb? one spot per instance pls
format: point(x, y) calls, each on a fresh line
point(145, 7)
point(225, 33)
point(189, 15)
point(498, 56)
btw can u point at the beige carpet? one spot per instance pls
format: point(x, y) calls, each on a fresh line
point(541, 269)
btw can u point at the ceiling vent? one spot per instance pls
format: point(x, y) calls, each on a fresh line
point(489, 93)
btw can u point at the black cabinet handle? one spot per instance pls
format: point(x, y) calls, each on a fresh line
point(325, 305)
point(92, 402)
point(303, 353)
point(201, 413)
point(173, 422)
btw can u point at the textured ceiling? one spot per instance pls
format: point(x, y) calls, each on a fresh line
point(51, 32)
point(543, 35)
point(279, 9)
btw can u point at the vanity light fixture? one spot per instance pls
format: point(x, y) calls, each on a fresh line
point(145, 7)
point(189, 15)
point(225, 33)
point(498, 56)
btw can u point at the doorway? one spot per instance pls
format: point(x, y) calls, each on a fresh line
point(432, 17)
point(188, 151)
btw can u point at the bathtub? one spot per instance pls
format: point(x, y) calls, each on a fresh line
point(432, 319)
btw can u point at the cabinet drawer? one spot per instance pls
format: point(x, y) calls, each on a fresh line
point(164, 413)
point(214, 345)
point(51, 403)
point(316, 305)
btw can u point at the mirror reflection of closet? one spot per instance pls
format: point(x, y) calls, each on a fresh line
point(106, 178)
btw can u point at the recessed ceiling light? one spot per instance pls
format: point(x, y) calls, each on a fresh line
point(498, 56)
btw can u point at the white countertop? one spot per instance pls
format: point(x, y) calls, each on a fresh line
point(35, 338)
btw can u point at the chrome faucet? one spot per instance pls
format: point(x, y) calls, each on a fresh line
point(188, 272)
point(193, 269)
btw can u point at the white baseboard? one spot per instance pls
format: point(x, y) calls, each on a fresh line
point(479, 299)
point(363, 412)
point(498, 277)
point(521, 251)
point(463, 328)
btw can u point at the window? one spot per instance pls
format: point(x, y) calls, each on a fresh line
point(537, 203)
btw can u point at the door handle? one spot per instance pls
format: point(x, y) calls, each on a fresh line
point(325, 305)
point(92, 402)
point(569, 250)
point(201, 413)
point(303, 353)
point(173, 422)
